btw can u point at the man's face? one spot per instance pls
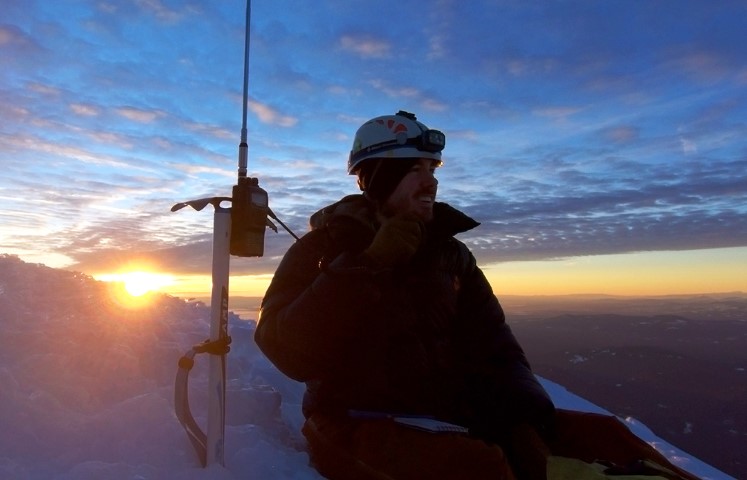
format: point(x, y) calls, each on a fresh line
point(416, 192)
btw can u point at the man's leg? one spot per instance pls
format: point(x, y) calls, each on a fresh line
point(343, 448)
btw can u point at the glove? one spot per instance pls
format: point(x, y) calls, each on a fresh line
point(396, 241)
point(528, 453)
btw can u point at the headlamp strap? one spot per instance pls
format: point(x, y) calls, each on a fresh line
point(423, 142)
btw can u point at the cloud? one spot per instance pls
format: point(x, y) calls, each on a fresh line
point(211, 130)
point(43, 89)
point(366, 46)
point(267, 114)
point(434, 105)
point(439, 29)
point(638, 208)
point(556, 112)
point(12, 37)
point(140, 115)
point(102, 248)
point(343, 90)
point(85, 109)
point(19, 50)
point(398, 91)
point(159, 10)
point(621, 134)
point(688, 146)
point(409, 94)
point(199, 169)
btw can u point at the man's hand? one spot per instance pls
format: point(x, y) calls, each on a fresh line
point(396, 241)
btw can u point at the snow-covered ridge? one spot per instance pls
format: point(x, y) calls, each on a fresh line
point(86, 388)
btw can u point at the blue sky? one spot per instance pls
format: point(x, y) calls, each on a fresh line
point(574, 128)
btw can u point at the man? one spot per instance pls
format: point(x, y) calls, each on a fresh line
point(381, 311)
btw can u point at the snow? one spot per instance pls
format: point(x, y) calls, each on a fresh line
point(86, 388)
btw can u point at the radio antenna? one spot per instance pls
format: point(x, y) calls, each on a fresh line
point(243, 147)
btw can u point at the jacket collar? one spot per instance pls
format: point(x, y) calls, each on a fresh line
point(447, 220)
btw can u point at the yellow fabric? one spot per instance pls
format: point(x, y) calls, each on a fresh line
point(562, 468)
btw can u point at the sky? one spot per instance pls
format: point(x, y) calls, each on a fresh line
point(602, 145)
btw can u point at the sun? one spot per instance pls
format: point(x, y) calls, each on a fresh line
point(134, 289)
point(138, 284)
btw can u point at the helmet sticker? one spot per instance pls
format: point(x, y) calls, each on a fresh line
point(394, 125)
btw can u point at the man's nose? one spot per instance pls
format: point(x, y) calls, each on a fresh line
point(429, 179)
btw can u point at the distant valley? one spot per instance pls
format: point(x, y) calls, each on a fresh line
point(678, 364)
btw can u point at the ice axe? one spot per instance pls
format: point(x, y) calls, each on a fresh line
point(237, 230)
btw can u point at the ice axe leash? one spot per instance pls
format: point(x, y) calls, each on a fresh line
point(237, 230)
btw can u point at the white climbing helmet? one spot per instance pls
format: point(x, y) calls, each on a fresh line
point(395, 136)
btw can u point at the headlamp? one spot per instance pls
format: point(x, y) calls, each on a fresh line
point(432, 141)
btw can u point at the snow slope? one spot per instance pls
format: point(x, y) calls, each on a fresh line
point(86, 389)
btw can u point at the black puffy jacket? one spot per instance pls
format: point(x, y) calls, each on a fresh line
point(426, 338)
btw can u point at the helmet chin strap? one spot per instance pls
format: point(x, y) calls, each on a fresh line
point(378, 204)
point(373, 174)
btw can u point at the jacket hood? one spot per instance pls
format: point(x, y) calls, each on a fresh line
point(447, 220)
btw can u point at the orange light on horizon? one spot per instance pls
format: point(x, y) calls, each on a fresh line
point(200, 285)
point(134, 286)
point(121, 298)
point(632, 274)
point(138, 283)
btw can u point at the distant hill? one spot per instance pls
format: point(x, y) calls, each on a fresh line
point(246, 307)
point(712, 306)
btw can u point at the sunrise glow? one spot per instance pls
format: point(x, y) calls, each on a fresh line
point(634, 274)
point(138, 283)
point(187, 286)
